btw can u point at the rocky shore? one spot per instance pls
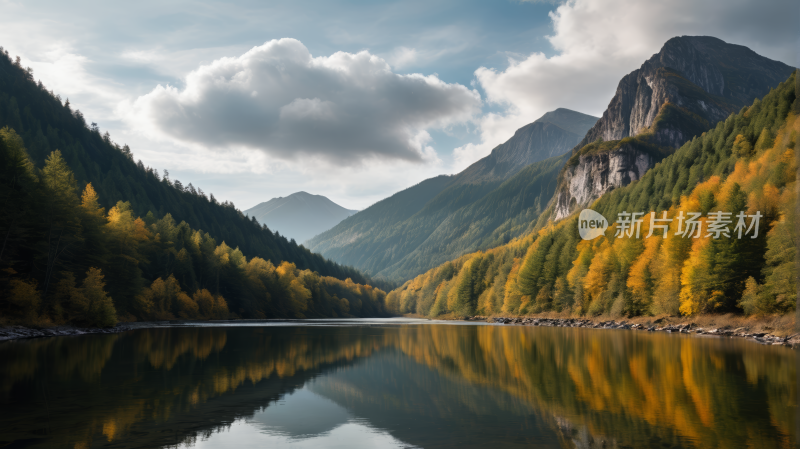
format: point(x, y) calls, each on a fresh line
point(763, 338)
point(20, 332)
point(758, 336)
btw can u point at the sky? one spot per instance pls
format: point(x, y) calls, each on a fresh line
point(354, 100)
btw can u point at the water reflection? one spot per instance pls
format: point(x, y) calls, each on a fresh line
point(300, 415)
point(430, 385)
point(302, 419)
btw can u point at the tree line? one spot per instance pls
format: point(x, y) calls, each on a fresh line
point(64, 258)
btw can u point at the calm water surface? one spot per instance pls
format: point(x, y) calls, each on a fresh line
point(395, 384)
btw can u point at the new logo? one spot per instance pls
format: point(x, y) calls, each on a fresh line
point(591, 224)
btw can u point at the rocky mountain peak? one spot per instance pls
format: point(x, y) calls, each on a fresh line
point(689, 56)
point(692, 83)
point(702, 76)
point(552, 134)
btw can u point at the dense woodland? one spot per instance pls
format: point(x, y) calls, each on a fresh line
point(66, 259)
point(746, 163)
point(89, 237)
point(47, 123)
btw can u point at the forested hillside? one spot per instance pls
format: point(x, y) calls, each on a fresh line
point(88, 237)
point(66, 259)
point(492, 201)
point(46, 124)
point(510, 210)
point(740, 177)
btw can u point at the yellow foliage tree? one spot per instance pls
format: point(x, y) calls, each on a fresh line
point(100, 309)
point(90, 202)
point(24, 299)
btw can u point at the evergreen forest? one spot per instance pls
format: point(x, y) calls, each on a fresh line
point(90, 237)
point(47, 123)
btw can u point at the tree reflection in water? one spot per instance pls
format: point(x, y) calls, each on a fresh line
point(427, 385)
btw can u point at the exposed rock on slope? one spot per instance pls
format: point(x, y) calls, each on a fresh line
point(704, 75)
point(680, 92)
point(597, 174)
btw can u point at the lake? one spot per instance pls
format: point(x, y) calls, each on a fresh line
point(395, 383)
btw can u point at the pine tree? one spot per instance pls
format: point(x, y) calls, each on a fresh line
point(95, 251)
point(59, 206)
point(466, 298)
point(123, 266)
point(18, 194)
point(532, 269)
point(734, 260)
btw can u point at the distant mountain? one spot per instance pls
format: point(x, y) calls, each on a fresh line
point(490, 202)
point(551, 135)
point(300, 215)
point(685, 89)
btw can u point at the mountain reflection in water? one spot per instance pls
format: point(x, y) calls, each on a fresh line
point(395, 384)
point(302, 419)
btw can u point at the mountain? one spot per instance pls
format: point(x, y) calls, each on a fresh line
point(300, 215)
point(747, 164)
point(551, 135)
point(688, 87)
point(492, 201)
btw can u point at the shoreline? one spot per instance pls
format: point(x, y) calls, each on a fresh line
point(757, 330)
point(776, 331)
point(18, 332)
point(12, 333)
point(21, 332)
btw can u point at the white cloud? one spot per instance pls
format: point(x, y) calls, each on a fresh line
point(67, 73)
point(345, 108)
point(428, 47)
point(403, 57)
point(598, 42)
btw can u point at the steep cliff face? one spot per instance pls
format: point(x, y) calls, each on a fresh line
point(596, 174)
point(701, 74)
point(680, 92)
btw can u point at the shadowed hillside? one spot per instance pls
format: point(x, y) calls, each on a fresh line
point(490, 202)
